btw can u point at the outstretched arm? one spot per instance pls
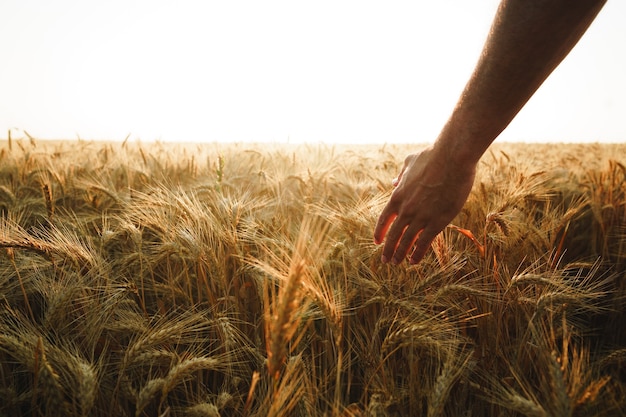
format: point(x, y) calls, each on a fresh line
point(527, 41)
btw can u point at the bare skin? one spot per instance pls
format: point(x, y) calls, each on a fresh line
point(527, 41)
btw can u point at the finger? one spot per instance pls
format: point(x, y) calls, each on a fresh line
point(409, 237)
point(385, 220)
point(423, 243)
point(391, 241)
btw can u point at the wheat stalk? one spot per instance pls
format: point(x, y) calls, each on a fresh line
point(557, 299)
point(560, 396)
point(47, 193)
point(282, 315)
point(48, 384)
point(452, 369)
point(591, 392)
point(617, 356)
point(173, 329)
point(531, 279)
point(187, 367)
point(153, 356)
point(290, 391)
point(87, 386)
point(147, 393)
point(203, 410)
point(451, 290)
point(524, 406)
point(284, 322)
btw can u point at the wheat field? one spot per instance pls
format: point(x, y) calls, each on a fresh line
point(242, 280)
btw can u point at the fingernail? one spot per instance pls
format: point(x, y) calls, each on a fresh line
point(395, 261)
point(384, 259)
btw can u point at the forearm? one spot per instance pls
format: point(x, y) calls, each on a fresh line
point(527, 41)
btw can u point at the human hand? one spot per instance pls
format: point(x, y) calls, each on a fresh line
point(430, 191)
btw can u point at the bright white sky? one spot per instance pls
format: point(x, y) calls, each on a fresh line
point(331, 71)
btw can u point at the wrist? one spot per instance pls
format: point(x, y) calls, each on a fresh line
point(457, 152)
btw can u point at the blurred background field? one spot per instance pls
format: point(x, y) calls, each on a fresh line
point(242, 280)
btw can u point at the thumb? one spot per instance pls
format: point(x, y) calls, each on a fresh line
point(396, 180)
